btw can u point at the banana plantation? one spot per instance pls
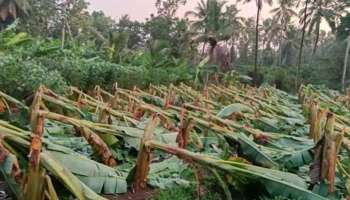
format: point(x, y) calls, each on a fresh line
point(234, 140)
point(174, 100)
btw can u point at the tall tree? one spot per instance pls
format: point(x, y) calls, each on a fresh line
point(211, 18)
point(271, 34)
point(304, 24)
point(208, 17)
point(234, 24)
point(259, 5)
point(168, 8)
point(284, 13)
point(246, 41)
point(323, 10)
point(134, 29)
point(282, 16)
point(345, 67)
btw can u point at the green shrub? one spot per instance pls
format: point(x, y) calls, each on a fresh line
point(36, 61)
point(21, 77)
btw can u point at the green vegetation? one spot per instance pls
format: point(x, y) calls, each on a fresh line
point(211, 105)
point(86, 49)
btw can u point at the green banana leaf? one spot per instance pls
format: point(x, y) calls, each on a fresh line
point(279, 183)
point(6, 170)
point(253, 153)
point(98, 177)
point(160, 134)
point(167, 174)
point(77, 187)
point(234, 108)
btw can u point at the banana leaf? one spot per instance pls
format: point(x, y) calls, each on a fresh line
point(160, 134)
point(276, 183)
point(234, 108)
point(167, 174)
point(253, 153)
point(98, 177)
point(6, 170)
point(296, 159)
point(78, 188)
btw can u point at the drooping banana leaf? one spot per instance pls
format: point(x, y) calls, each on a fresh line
point(98, 177)
point(296, 159)
point(284, 151)
point(160, 134)
point(234, 108)
point(252, 152)
point(167, 173)
point(77, 187)
point(276, 183)
point(6, 170)
point(77, 144)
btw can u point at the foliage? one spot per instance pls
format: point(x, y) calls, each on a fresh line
point(184, 193)
point(21, 77)
point(34, 62)
point(256, 139)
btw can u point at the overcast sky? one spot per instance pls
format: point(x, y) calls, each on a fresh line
point(140, 9)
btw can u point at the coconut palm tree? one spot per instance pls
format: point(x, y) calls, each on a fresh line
point(245, 40)
point(207, 16)
point(303, 21)
point(282, 16)
point(284, 13)
point(323, 10)
point(259, 5)
point(208, 19)
point(271, 33)
point(234, 26)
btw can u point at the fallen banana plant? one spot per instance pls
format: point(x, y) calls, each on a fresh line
point(238, 134)
point(275, 182)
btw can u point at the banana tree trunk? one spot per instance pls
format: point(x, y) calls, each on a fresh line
point(345, 64)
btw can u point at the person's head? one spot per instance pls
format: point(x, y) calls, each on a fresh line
point(212, 41)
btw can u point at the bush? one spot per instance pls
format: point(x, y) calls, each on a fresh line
point(86, 73)
point(21, 77)
point(282, 77)
point(36, 61)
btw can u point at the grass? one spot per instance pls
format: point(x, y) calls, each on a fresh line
point(185, 193)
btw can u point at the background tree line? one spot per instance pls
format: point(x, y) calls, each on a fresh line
point(287, 48)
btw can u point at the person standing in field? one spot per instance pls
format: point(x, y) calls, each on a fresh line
point(219, 56)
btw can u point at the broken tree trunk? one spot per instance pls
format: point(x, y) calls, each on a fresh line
point(34, 188)
point(144, 156)
point(325, 155)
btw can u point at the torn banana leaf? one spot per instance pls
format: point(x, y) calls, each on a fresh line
point(276, 183)
point(167, 174)
point(160, 134)
point(73, 184)
point(6, 171)
point(284, 151)
point(296, 159)
point(234, 108)
point(98, 177)
point(253, 153)
point(77, 144)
